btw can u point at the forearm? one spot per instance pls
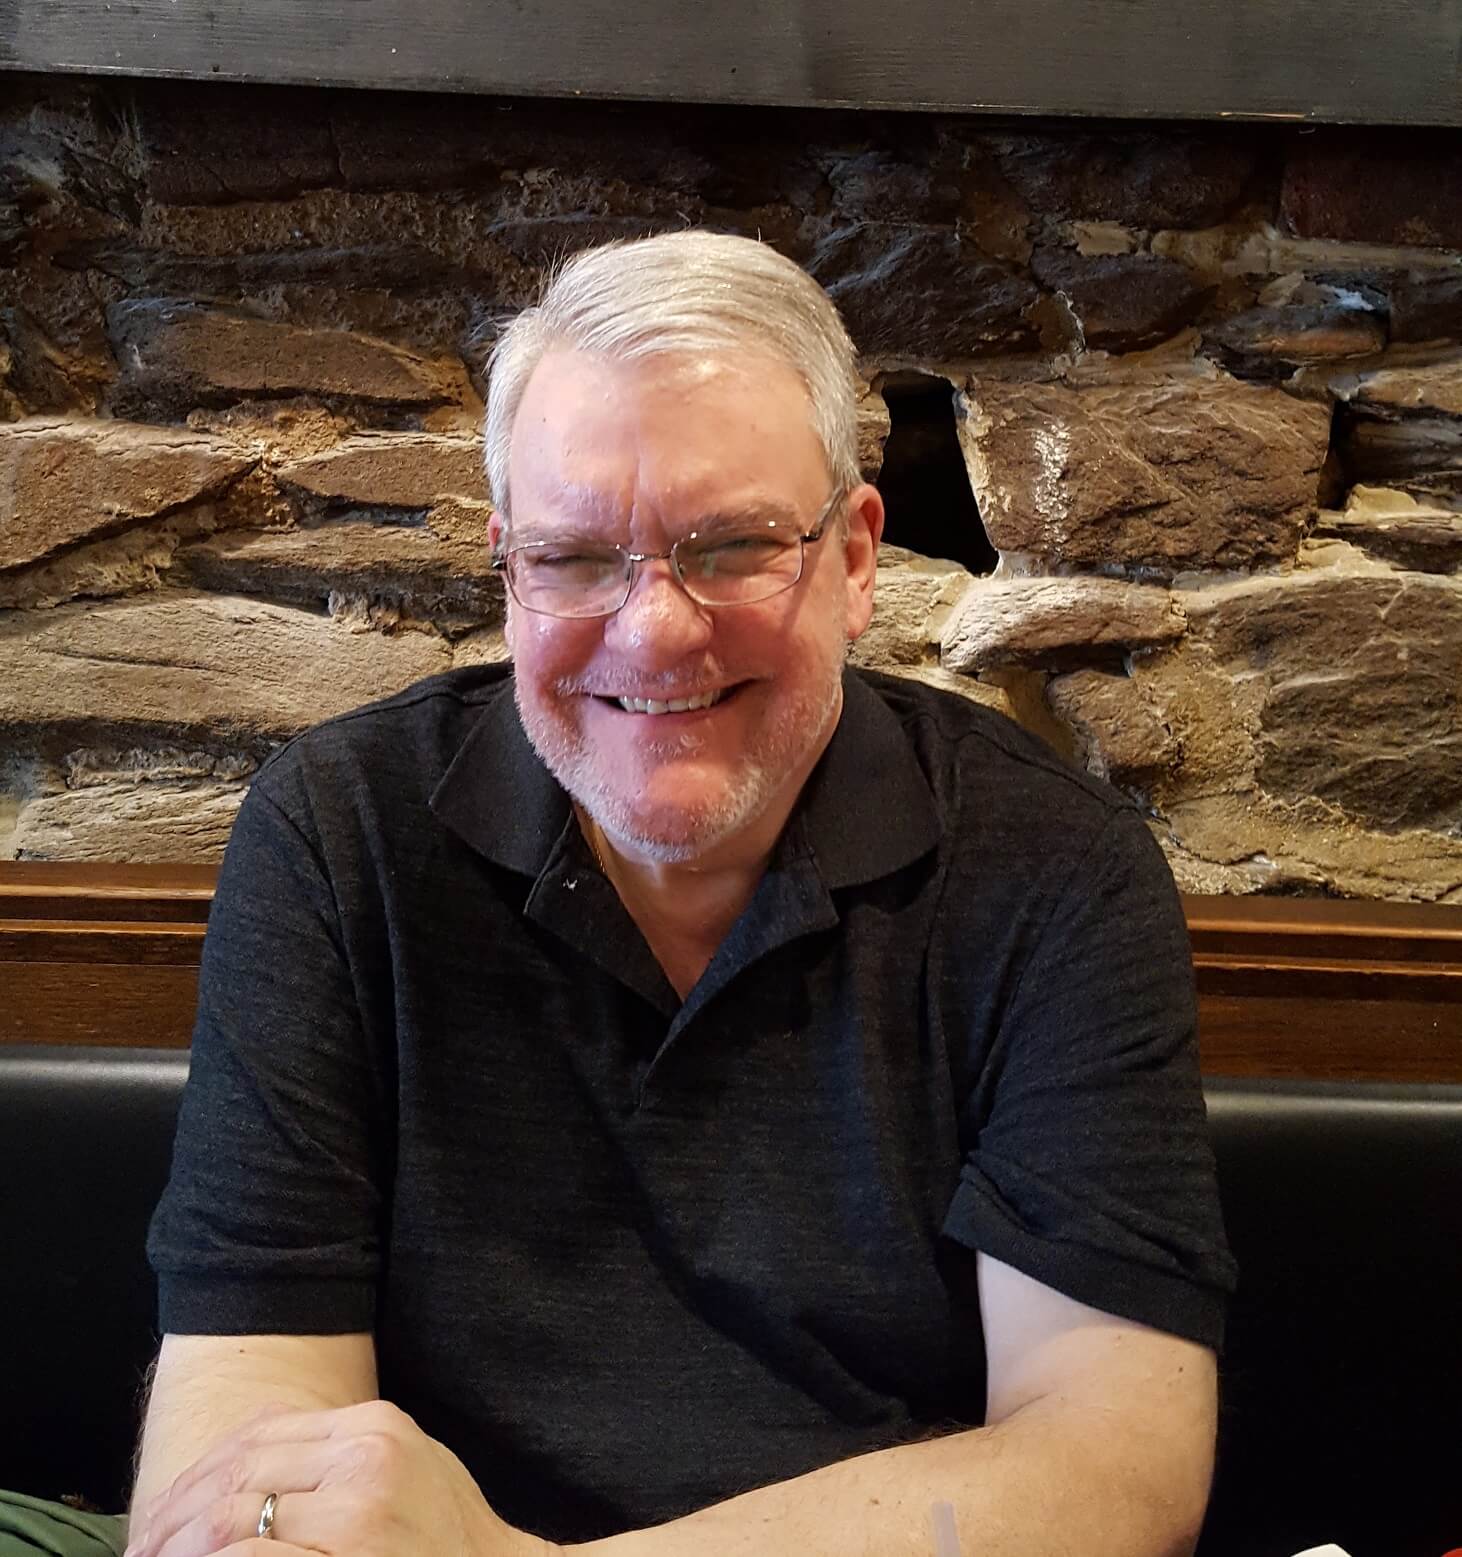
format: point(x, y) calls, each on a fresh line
point(204, 1387)
point(1050, 1478)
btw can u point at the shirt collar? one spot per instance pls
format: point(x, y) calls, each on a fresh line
point(866, 812)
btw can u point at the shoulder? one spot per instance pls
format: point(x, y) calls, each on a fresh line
point(397, 748)
point(987, 772)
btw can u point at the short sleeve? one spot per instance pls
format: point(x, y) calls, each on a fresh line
point(270, 1222)
point(1087, 1162)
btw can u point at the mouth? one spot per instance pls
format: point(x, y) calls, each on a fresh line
point(671, 705)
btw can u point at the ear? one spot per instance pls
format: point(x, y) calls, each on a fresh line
point(496, 538)
point(862, 531)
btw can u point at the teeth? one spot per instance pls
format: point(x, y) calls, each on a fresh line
point(674, 705)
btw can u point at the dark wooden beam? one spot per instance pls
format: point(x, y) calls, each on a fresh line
point(1360, 61)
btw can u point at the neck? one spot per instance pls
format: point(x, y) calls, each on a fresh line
point(699, 898)
point(686, 908)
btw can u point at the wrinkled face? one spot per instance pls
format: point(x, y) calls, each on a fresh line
point(642, 454)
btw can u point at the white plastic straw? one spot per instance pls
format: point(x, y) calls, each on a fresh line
point(946, 1537)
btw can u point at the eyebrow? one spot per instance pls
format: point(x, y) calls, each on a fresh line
point(753, 512)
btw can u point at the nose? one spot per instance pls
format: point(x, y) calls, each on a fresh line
point(659, 624)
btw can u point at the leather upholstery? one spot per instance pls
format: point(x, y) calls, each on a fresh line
point(85, 1141)
point(1341, 1411)
point(1342, 1399)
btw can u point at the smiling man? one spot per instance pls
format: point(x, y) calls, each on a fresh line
point(678, 1094)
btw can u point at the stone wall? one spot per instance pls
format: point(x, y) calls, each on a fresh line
point(1169, 422)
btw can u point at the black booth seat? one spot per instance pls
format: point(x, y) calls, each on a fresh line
point(1342, 1392)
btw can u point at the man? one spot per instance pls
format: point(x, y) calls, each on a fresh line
point(722, 1102)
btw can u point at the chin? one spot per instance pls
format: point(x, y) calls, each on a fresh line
point(673, 834)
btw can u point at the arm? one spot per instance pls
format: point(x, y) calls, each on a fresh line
point(1100, 1437)
point(206, 1386)
point(1101, 1432)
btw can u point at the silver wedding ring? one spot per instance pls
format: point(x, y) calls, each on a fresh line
point(265, 1529)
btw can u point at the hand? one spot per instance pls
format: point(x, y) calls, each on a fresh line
point(363, 1481)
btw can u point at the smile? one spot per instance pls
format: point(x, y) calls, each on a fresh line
point(674, 705)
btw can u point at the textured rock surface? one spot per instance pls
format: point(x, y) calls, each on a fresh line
point(1403, 426)
point(1317, 729)
point(65, 482)
point(913, 597)
point(922, 292)
point(1419, 454)
point(1134, 177)
point(129, 820)
point(1343, 690)
point(1395, 526)
point(1376, 186)
point(1313, 332)
point(1119, 733)
point(172, 350)
point(873, 428)
point(302, 287)
point(1434, 387)
point(1244, 841)
point(441, 566)
point(392, 470)
point(196, 667)
point(1045, 621)
point(1176, 473)
point(1122, 301)
point(1426, 307)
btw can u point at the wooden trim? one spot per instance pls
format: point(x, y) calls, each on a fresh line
point(1356, 61)
point(1295, 987)
point(163, 894)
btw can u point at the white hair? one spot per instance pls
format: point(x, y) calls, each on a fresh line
point(681, 292)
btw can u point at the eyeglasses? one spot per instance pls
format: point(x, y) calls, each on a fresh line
point(576, 578)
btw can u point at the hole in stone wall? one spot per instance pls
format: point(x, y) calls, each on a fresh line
point(924, 483)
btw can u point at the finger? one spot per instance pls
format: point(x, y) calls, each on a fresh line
point(311, 1522)
point(257, 1547)
point(221, 1526)
point(250, 1473)
point(274, 1424)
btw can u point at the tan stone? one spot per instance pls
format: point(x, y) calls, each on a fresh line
point(188, 666)
point(65, 482)
point(1013, 621)
point(1182, 471)
point(1119, 733)
point(1395, 526)
point(489, 646)
point(873, 430)
point(1343, 690)
point(911, 599)
point(130, 820)
point(1284, 846)
point(1434, 387)
point(428, 568)
point(392, 470)
point(170, 349)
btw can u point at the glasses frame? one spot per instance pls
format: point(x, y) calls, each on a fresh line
point(805, 538)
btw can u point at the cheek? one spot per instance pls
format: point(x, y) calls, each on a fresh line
point(545, 650)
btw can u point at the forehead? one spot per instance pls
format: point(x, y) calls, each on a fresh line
point(598, 438)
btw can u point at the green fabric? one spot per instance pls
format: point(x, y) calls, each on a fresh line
point(30, 1527)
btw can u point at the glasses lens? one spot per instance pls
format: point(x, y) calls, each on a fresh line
point(731, 569)
point(566, 579)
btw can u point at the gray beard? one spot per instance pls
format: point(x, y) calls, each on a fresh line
point(757, 783)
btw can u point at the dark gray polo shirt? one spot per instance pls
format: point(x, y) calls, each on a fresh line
point(628, 1256)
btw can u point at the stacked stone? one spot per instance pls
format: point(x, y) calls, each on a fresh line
point(1207, 385)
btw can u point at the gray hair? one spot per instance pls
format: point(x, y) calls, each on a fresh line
point(691, 291)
